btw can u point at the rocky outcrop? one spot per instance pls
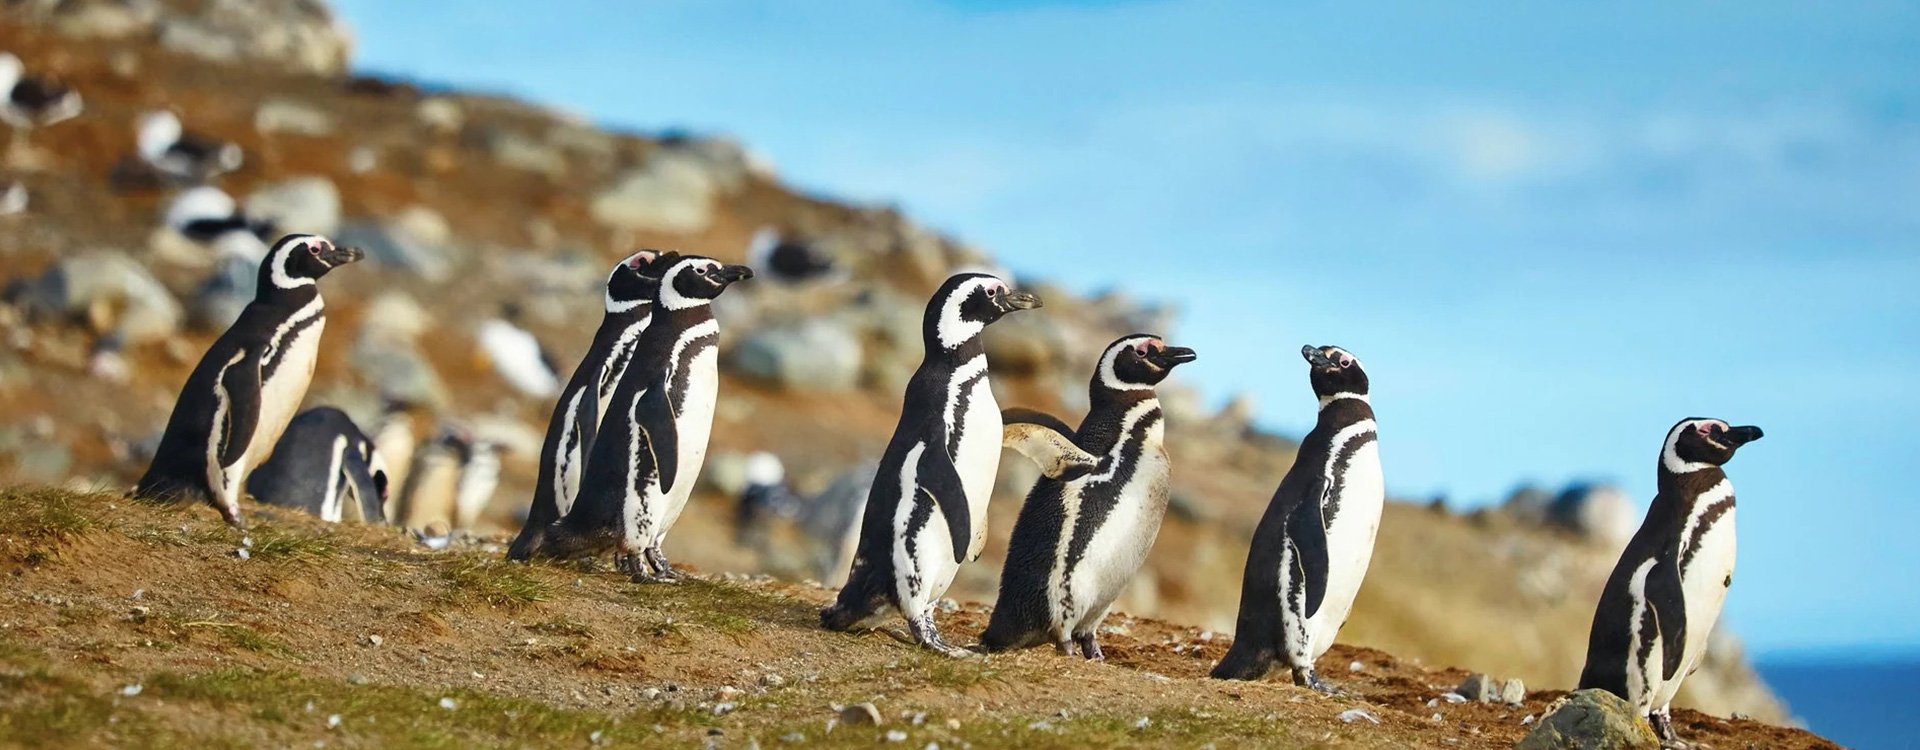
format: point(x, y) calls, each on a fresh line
point(302, 35)
point(1591, 720)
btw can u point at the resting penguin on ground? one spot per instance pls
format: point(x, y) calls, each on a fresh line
point(326, 466)
point(1650, 629)
point(927, 511)
point(1080, 540)
point(653, 442)
point(250, 382)
point(576, 418)
point(1311, 549)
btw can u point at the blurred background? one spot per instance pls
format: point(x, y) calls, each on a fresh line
point(1550, 232)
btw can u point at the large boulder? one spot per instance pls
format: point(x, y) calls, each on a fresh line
point(1590, 720)
point(808, 355)
point(1602, 513)
point(672, 192)
point(110, 291)
point(309, 205)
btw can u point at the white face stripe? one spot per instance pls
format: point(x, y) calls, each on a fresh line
point(1670, 453)
point(1111, 379)
point(281, 278)
point(953, 329)
point(671, 296)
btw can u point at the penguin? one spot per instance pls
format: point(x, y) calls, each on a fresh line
point(927, 511)
point(576, 418)
point(326, 466)
point(516, 354)
point(831, 522)
point(430, 497)
point(209, 216)
point(479, 477)
point(1311, 549)
point(394, 440)
point(1651, 625)
point(180, 155)
point(245, 390)
point(1079, 540)
point(787, 260)
point(653, 442)
point(33, 101)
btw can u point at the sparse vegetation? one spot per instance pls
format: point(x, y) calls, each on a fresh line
point(473, 581)
point(35, 523)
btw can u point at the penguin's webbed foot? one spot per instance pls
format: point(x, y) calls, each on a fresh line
point(1090, 647)
point(929, 637)
point(662, 570)
point(1308, 678)
point(1066, 647)
point(1662, 721)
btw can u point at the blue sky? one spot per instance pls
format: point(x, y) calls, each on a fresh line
point(1551, 230)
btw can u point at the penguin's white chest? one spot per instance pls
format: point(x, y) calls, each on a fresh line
point(977, 457)
point(694, 426)
point(1706, 572)
point(297, 351)
point(1352, 514)
point(1114, 552)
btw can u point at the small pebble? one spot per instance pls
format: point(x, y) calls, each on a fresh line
point(1454, 697)
point(1142, 722)
point(1356, 666)
point(132, 690)
point(448, 704)
point(860, 714)
point(1352, 715)
point(723, 708)
point(243, 554)
point(895, 735)
point(1513, 692)
point(1527, 721)
point(333, 721)
point(375, 639)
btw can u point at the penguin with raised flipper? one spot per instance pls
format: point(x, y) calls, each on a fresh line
point(653, 441)
point(576, 418)
point(249, 384)
point(1082, 536)
point(1651, 626)
point(1311, 549)
point(926, 513)
point(326, 466)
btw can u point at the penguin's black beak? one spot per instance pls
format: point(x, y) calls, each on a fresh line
point(337, 256)
point(1012, 301)
point(1735, 437)
point(1315, 357)
point(730, 274)
point(1172, 356)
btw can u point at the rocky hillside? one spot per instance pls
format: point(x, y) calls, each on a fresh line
point(124, 625)
point(469, 202)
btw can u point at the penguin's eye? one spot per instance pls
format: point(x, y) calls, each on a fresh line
point(313, 249)
point(702, 270)
point(1346, 362)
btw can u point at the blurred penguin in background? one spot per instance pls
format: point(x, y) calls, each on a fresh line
point(786, 259)
point(517, 356)
point(166, 146)
point(764, 500)
point(831, 522)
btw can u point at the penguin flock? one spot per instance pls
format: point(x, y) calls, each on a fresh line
point(630, 428)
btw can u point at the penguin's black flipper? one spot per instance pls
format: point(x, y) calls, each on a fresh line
point(1309, 538)
point(940, 479)
point(1669, 604)
point(241, 382)
point(654, 414)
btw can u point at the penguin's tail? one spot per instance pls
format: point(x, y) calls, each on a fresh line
point(856, 603)
point(1004, 634)
point(157, 487)
point(560, 542)
point(1245, 660)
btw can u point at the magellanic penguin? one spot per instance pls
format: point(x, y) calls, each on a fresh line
point(1079, 540)
point(1311, 549)
point(250, 382)
point(927, 511)
point(180, 155)
point(576, 418)
point(326, 466)
point(653, 441)
point(1650, 629)
point(33, 101)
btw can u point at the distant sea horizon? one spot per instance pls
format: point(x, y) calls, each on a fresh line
point(1860, 698)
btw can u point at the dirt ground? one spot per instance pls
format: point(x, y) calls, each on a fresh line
point(123, 624)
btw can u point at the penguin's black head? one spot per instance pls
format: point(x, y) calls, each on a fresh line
point(691, 280)
point(1334, 371)
point(634, 281)
point(1698, 442)
point(298, 260)
point(966, 304)
point(1139, 360)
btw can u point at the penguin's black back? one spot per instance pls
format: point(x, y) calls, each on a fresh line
point(298, 473)
point(585, 382)
point(179, 468)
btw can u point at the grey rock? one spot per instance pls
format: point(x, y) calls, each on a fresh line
point(417, 239)
point(860, 715)
point(441, 114)
point(1528, 504)
point(518, 151)
point(1477, 687)
point(1590, 720)
point(1602, 513)
point(1513, 692)
point(280, 115)
point(94, 20)
point(672, 192)
point(300, 204)
point(808, 355)
point(224, 294)
point(109, 290)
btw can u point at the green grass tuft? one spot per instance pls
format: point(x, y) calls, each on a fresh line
point(476, 581)
point(272, 543)
point(35, 523)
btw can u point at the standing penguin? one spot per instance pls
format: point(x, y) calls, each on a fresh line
point(927, 511)
point(1311, 549)
point(653, 443)
point(576, 418)
point(326, 466)
point(1080, 540)
point(250, 382)
point(1650, 628)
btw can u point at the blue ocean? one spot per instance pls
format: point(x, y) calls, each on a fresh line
point(1862, 703)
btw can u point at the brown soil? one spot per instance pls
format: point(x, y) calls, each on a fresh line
point(102, 594)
